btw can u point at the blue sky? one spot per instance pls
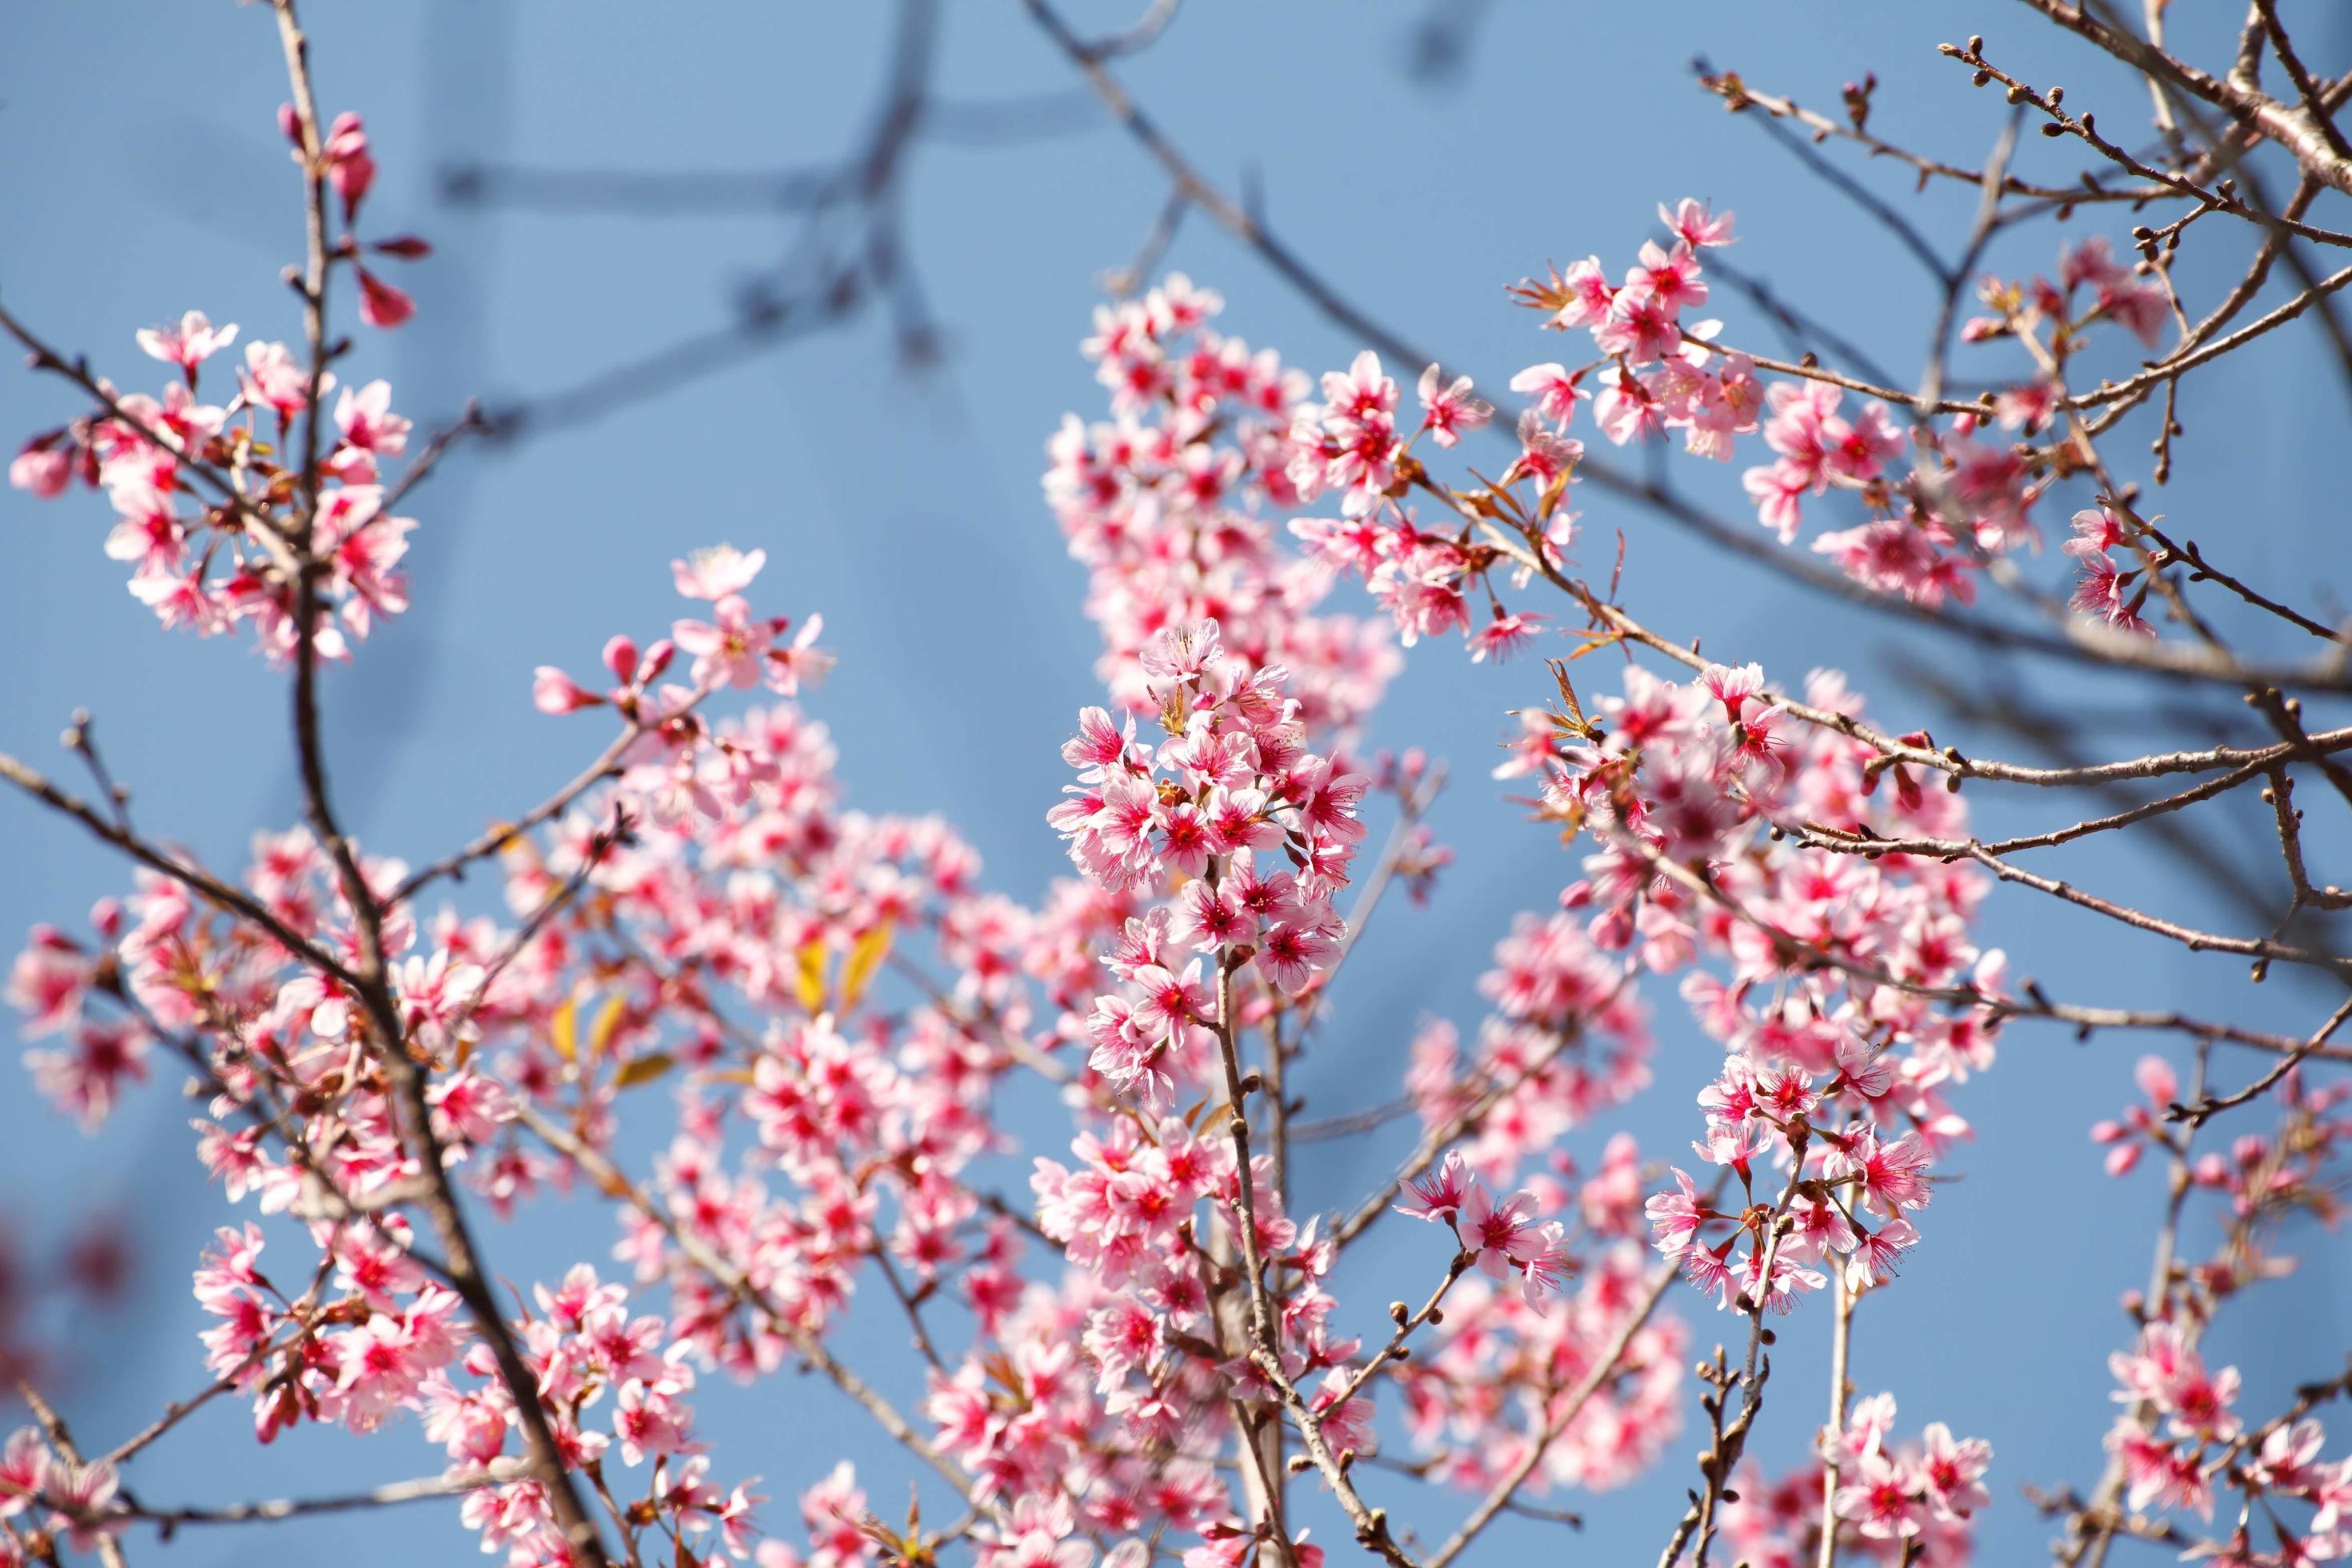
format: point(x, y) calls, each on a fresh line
point(144, 176)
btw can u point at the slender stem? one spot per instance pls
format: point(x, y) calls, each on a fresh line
point(211, 889)
point(1371, 1524)
point(607, 766)
point(1722, 1458)
point(2206, 1107)
point(1406, 1322)
point(1436, 1139)
point(1840, 1390)
point(2095, 1524)
point(421, 1490)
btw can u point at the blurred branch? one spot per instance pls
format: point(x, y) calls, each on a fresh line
point(1804, 151)
point(849, 255)
point(679, 193)
point(1147, 28)
point(1443, 38)
point(1805, 334)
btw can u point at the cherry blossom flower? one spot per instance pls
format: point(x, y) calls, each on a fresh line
point(188, 344)
point(1448, 409)
point(1439, 1194)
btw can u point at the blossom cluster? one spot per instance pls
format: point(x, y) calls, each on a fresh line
point(1895, 1503)
point(1844, 1005)
point(1353, 446)
point(1166, 505)
point(211, 561)
point(1259, 831)
point(2182, 1442)
point(1501, 1238)
point(1966, 494)
point(1500, 1384)
point(2105, 589)
point(1149, 1313)
point(836, 1008)
point(705, 912)
point(69, 1499)
point(218, 504)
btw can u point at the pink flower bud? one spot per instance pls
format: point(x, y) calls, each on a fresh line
point(552, 691)
point(381, 304)
point(45, 473)
point(350, 168)
point(621, 658)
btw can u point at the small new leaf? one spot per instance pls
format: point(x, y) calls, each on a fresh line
point(809, 983)
point(865, 955)
point(643, 1069)
point(1573, 721)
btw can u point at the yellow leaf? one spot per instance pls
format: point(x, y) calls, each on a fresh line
point(1553, 492)
point(1594, 642)
point(602, 1028)
point(865, 955)
point(563, 1031)
point(517, 849)
point(1567, 691)
point(643, 1069)
point(811, 987)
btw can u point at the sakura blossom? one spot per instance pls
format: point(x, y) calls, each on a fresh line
point(790, 1076)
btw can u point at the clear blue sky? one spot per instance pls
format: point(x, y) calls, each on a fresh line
point(144, 176)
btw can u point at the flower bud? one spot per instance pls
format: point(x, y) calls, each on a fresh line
point(552, 691)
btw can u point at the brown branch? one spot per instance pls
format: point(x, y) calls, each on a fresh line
point(2281, 795)
point(1840, 1390)
point(2204, 570)
point(1436, 1141)
point(263, 530)
point(2089, 1529)
point(2290, 128)
point(1406, 1323)
point(424, 1489)
point(1949, 761)
point(2060, 122)
point(1370, 1524)
point(1800, 953)
point(1738, 96)
point(439, 1200)
point(1721, 1458)
point(222, 895)
point(453, 864)
point(2314, 105)
point(2207, 1107)
point(420, 468)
